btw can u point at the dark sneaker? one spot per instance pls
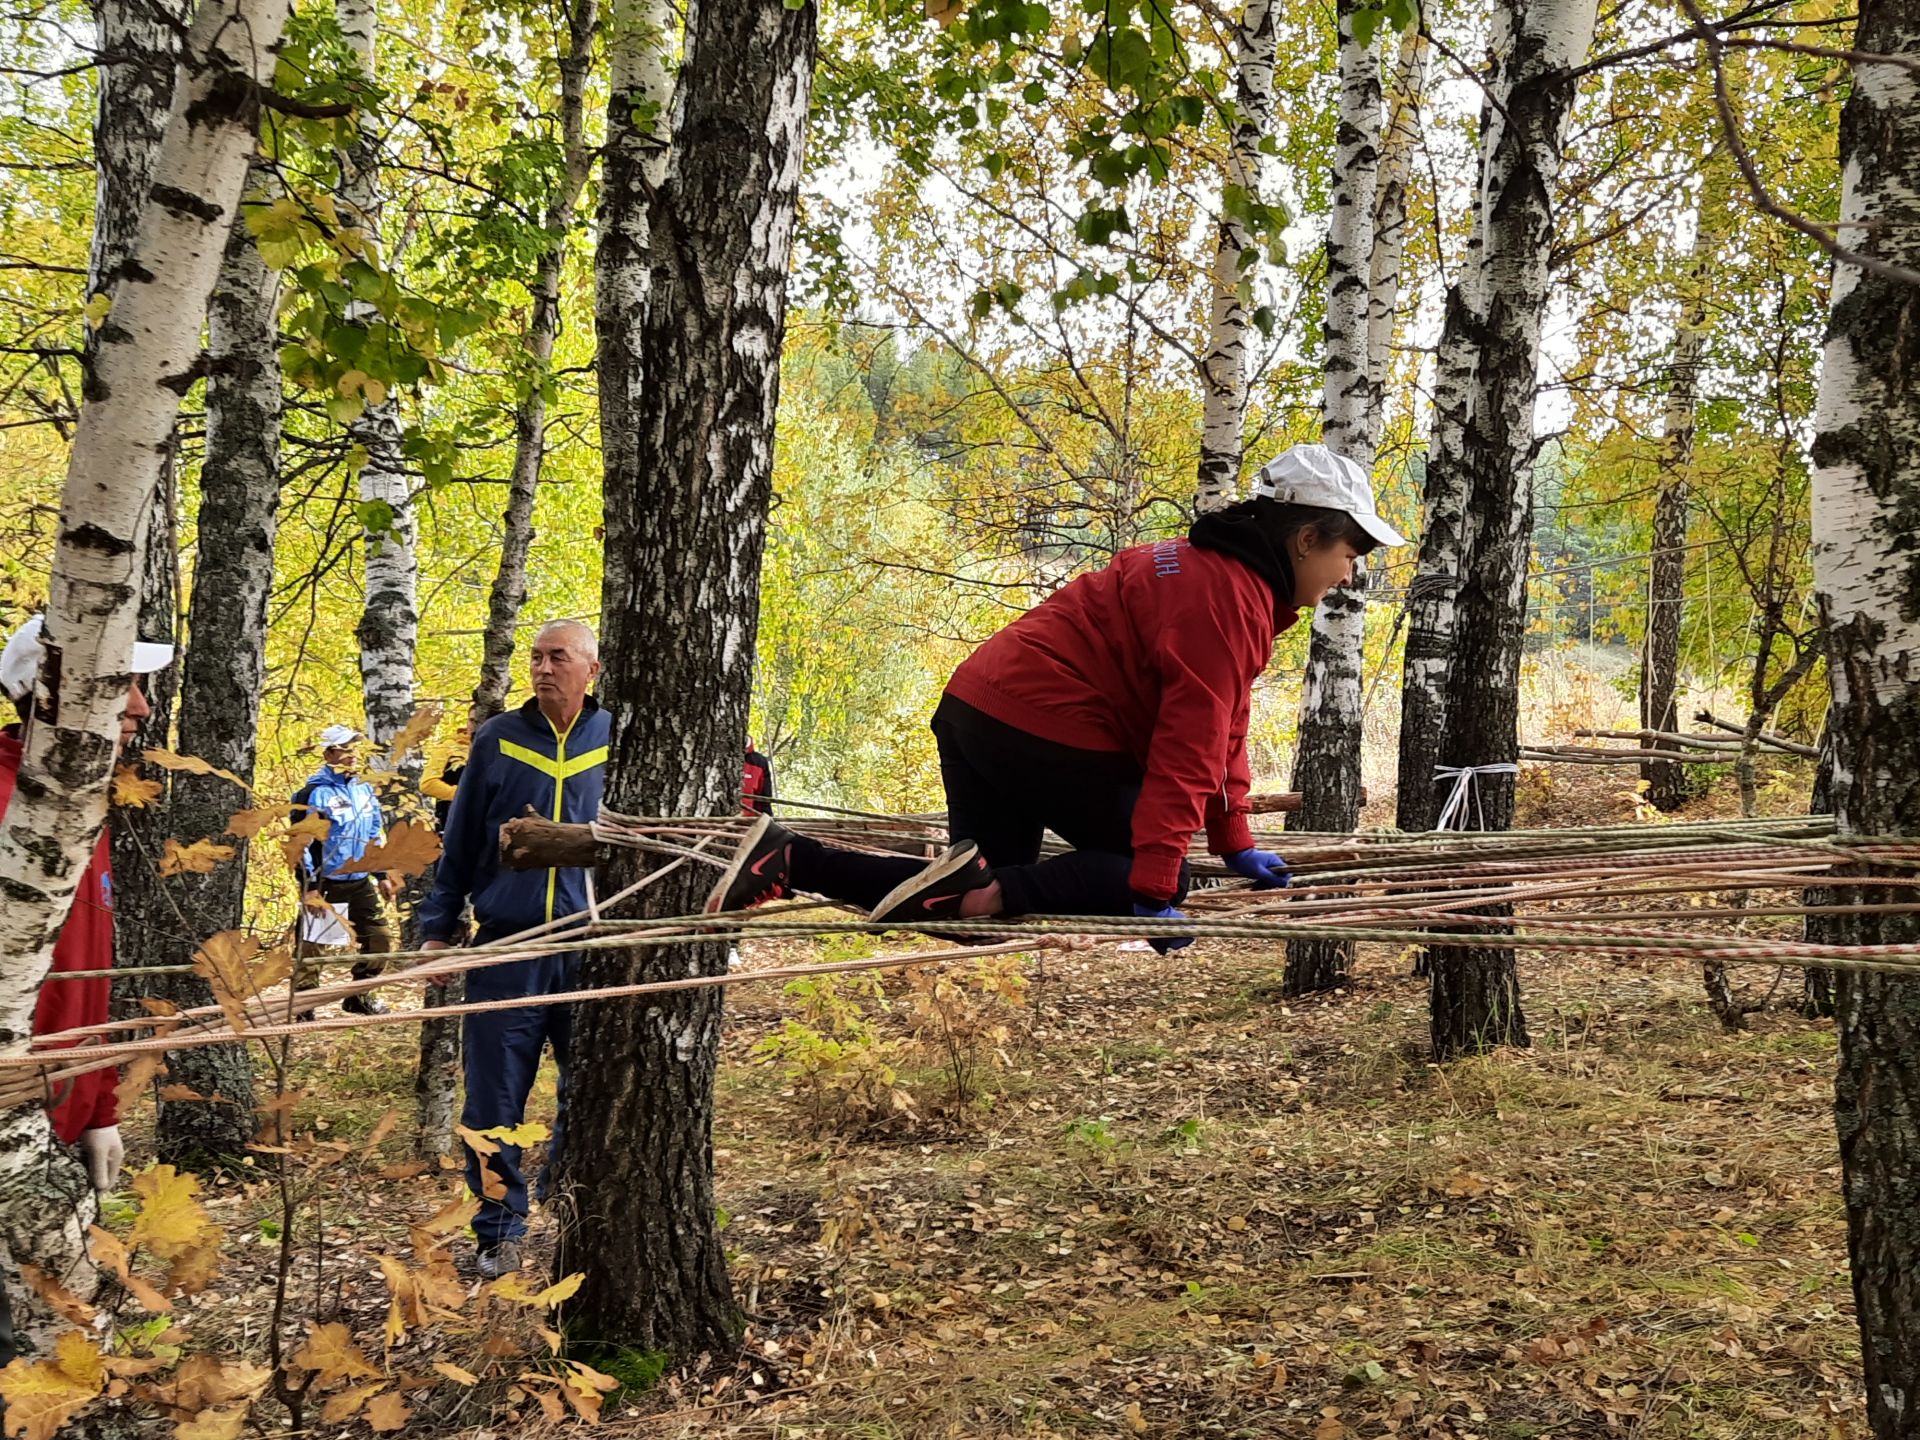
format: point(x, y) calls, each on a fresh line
point(758, 872)
point(364, 1005)
point(936, 892)
point(497, 1260)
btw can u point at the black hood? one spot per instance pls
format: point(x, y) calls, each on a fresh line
point(1250, 533)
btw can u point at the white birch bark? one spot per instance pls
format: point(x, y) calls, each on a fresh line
point(389, 618)
point(1327, 763)
point(1866, 497)
point(145, 349)
point(1223, 368)
point(1406, 89)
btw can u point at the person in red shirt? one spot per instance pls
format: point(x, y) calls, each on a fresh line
point(1114, 714)
point(756, 783)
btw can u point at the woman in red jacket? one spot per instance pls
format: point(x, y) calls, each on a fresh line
point(1114, 714)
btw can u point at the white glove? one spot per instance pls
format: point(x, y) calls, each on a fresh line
point(104, 1154)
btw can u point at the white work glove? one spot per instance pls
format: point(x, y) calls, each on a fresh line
point(104, 1154)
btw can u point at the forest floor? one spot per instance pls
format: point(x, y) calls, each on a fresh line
point(1175, 1204)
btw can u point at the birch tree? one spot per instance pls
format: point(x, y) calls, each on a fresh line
point(1473, 561)
point(689, 520)
point(1326, 766)
point(1223, 366)
point(1866, 453)
point(146, 347)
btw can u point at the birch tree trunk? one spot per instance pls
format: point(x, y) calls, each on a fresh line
point(1223, 369)
point(1475, 1000)
point(1866, 493)
point(633, 165)
point(1406, 88)
point(389, 620)
point(1667, 784)
point(223, 678)
point(509, 592)
point(681, 623)
point(1326, 768)
point(146, 348)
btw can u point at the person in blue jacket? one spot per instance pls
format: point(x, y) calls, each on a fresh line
point(549, 755)
point(338, 793)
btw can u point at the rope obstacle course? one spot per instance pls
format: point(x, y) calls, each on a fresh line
point(1428, 890)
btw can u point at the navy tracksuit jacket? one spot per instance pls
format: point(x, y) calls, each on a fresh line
point(517, 760)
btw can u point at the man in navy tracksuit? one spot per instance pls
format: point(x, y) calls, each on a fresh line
point(550, 754)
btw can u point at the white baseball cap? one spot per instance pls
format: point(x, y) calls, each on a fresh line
point(335, 736)
point(1314, 475)
point(20, 661)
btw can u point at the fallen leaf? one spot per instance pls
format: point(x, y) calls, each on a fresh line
point(345, 1405)
point(331, 1352)
point(1136, 1421)
point(388, 1412)
point(562, 1289)
point(454, 1373)
point(453, 1216)
point(212, 1425)
point(41, 1397)
point(381, 1129)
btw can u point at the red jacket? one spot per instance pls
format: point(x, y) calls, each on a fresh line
point(86, 1102)
point(1154, 656)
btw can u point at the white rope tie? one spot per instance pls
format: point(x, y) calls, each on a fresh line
point(1453, 815)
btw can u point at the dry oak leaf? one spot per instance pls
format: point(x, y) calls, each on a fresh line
point(248, 823)
point(452, 1216)
point(170, 1221)
point(412, 735)
point(381, 1130)
point(234, 966)
point(191, 764)
point(406, 1307)
point(330, 1351)
point(207, 1380)
point(41, 1397)
point(180, 1092)
point(133, 790)
point(140, 1072)
point(212, 1425)
point(347, 1403)
point(388, 1412)
point(526, 1133)
point(454, 1373)
point(193, 1270)
point(199, 858)
point(408, 849)
point(64, 1302)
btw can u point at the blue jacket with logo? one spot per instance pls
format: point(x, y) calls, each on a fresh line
point(517, 760)
point(352, 811)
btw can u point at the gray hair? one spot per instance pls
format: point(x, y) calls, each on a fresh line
point(588, 641)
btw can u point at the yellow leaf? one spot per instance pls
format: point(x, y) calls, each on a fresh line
point(585, 1377)
point(134, 790)
point(406, 1307)
point(40, 1398)
point(330, 1351)
point(107, 1251)
point(199, 858)
point(408, 849)
point(522, 1134)
point(170, 1221)
point(150, 1299)
point(421, 724)
point(96, 309)
point(347, 1403)
point(553, 1338)
point(352, 381)
point(248, 823)
point(512, 1287)
point(381, 1130)
point(233, 965)
point(206, 1380)
point(193, 1270)
point(212, 1425)
point(477, 1139)
point(455, 1373)
point(455, 1215)
point(1136, 1421)
point(560, 1290)
point(191, 764)
point(140, 1072)
point(388, 1412)
point(79, 1360)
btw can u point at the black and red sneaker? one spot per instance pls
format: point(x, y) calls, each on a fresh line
point(759, 871)
point(936, 892)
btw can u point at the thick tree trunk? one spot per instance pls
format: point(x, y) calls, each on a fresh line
point(223, 678)
point(1866, 492)
point(1326, 769)
point(146, 348)
point(682, 613)
point(509, 591)
point(1476, 992)
point(1223, 369)
point(1667, 783)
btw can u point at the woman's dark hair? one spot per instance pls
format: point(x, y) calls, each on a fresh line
point(1284, 521)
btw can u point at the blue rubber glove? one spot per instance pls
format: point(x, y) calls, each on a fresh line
point(1153, 910)
point(1267, 870)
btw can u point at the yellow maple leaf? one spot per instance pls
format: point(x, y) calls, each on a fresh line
point(388, 1412)
point(408, 849)
point(170, 1221)
point(330, 1351)
point(41, 1396)
point(212, 1425)
point(191, 764)
point(199, 858)
point(347, 1403)
point(133, 790)
point(248, 823)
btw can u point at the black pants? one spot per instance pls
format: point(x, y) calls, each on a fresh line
point(1005, 790)
point(360, 897)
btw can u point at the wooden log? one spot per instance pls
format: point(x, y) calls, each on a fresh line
point(1765, 737)
point(1283, 802)
point(532, 843)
